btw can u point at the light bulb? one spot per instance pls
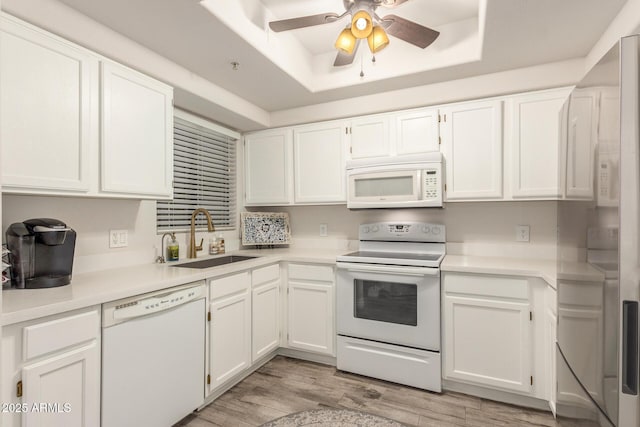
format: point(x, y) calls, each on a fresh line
point(361, 24)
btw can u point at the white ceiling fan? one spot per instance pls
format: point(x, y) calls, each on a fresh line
point(364, 24)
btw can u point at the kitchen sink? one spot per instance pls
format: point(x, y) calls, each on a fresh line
point(213, 262)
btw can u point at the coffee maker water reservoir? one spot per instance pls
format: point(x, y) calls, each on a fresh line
point(41, 253)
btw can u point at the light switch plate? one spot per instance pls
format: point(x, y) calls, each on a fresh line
point(522, 233)
point(118, 238)
point(324, 230)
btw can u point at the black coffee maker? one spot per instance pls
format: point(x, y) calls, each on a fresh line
point(41, 253)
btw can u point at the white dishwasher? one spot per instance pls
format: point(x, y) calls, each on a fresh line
point(153, 357)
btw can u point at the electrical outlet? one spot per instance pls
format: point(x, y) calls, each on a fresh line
point(324, 230)
point(522, 233)
point(118, 238)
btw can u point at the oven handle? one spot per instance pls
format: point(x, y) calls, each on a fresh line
point(399, 270)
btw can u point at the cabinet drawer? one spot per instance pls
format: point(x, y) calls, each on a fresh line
point(323, 273)
point(265, 274)
point(61, 333)
point(493, 286)
point(230, 285)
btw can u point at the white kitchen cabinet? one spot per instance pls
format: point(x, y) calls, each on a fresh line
point(533, 137)
point(54, 361)
point(229, 327)
point(551, 322)
point(265, 303)
point(582, 126)
point(267, 167)
point(48, 109)
point(319, 163)
point(311, 308)
point(417, 131)
point(370, 137)
point(472, 146)
point(137, 133)
point(487, 331)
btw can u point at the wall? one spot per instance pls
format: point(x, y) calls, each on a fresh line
point(480, 228)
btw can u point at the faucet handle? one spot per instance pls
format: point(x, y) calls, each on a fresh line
point(199, 247)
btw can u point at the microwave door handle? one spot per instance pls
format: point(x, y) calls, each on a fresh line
point(400, 271)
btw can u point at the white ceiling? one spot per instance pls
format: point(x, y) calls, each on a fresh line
point(287, 70)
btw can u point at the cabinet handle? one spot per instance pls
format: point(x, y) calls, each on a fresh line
point(19, 389)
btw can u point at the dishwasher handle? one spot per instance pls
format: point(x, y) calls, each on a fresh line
point(145, 305)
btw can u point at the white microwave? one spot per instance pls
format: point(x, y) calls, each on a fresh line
point(401, 182)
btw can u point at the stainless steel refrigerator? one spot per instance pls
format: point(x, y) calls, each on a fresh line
point(598, 279)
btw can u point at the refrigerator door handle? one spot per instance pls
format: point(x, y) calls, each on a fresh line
point(630, 347)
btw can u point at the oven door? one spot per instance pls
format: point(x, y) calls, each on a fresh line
point(392, 304)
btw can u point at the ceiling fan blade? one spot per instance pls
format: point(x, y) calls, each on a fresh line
point(303, 21)
point(392, 5)
point(409, 31)
point(344, 58)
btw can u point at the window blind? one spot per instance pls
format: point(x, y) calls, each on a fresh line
point(204, 174)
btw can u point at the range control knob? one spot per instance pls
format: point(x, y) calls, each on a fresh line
point(374, 229)
point(426, 229)
point(435, 231)
point(365, 229)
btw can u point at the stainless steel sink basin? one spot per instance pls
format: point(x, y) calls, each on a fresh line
point(213, 262)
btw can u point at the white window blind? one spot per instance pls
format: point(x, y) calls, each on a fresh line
point(204, 173)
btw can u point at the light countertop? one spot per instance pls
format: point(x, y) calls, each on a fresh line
point(98, 287)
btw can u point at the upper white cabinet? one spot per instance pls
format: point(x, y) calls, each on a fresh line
point(48, 104)
point(417, 131)
point(137, 133)
point(268, 167)
point(582, 126)
point(472, 145)
point(533, 136)
point(319, 163)
point(370, 137)
point(61, 119)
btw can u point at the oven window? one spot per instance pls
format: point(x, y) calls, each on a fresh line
point(386, 302)
point(389, 186)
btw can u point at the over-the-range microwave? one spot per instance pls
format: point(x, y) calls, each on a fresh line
point(399, 182)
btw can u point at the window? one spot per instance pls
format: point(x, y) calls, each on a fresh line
point(204, 174)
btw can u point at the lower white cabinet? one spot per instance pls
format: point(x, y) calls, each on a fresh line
point(229, 327)
point(51, 371)
point(311, 308)
point(497, 333)
point(265, 302)
point(551, 326)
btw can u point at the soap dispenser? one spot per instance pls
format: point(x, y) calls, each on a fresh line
point(173, 249)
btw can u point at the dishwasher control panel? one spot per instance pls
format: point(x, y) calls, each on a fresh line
point(143, 305)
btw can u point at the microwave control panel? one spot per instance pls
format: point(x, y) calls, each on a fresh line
point(430, 184)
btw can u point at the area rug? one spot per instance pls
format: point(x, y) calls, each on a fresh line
point(332, 418)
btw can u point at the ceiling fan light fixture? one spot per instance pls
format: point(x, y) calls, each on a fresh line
point(346, 42)
point(378, 39)
point(361, 24)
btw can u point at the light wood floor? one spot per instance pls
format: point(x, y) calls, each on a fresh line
point(286, 385)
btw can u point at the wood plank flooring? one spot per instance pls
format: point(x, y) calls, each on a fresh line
point(286, 385)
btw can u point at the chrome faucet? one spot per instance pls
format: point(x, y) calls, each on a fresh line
point(193, 249)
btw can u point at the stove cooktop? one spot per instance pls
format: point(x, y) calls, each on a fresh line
point(393, 258)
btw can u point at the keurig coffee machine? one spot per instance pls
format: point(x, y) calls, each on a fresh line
point(41, 253)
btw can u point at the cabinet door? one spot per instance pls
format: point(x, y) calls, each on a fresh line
point(266, 319)
point(472, 146)
point(71, 381)
point(581, 139)
point(550, 339)
point(370, 137)
point(48, 104)
point(487, 341)
point(417, 132)
point(319, 163)
point(267, 168)
point(534, 138)
point(137, 133)
point(230, 336)
point(311, 317)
